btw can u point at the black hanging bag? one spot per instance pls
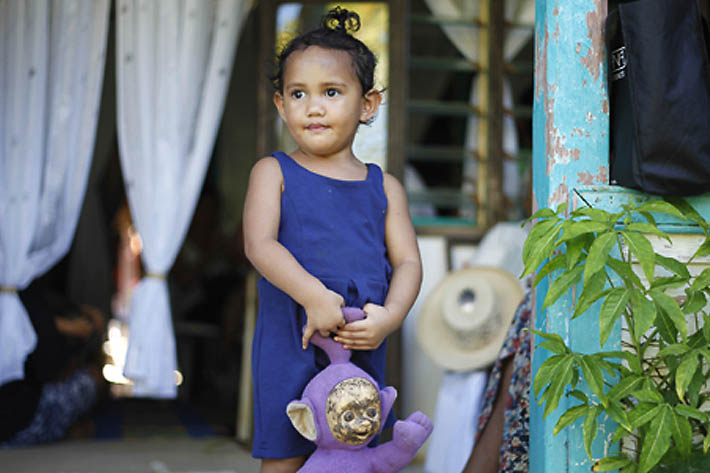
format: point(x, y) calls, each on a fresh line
point(659, 90)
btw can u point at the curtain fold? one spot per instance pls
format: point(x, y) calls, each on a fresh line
point(52, 56)
point(173, 65)
point(466, 38)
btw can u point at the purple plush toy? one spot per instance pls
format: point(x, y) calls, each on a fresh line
point(342, 410)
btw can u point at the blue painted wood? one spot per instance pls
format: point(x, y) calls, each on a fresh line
point(570, 150)
point(612, 198)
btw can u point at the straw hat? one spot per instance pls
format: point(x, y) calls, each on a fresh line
point(463, 323)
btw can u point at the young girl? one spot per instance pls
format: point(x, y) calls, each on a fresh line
point(325, 230)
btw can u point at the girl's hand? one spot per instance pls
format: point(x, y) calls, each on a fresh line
point(369, 333)
point(324, 315)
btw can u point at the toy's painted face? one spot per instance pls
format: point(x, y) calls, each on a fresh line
point(353, 411)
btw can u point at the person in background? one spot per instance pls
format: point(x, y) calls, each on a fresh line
point(503, 434)
point(63, 378)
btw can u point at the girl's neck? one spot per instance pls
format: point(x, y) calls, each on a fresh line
point(343, 165)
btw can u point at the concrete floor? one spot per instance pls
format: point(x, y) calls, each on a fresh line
point(148, 455)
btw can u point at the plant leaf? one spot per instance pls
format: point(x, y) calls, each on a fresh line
point(612, 307)
point(536, 232)
point(656, 441)
point(545, 373)
point(673, 265)
point(706, 443)
point(647, 394)
point(589, 429)
point(701, 281)
point(577, 394)
point(672, 309)
point(540, 245)
point(688, 210)
point(543, 213)
point(617, 414)
point(580, 227)
point(553, 337)
point(682, 433)
point(574, 248)
point(594, 377)
point(624, 387)
point(611, 463)
point(569, 416)
point(642, 227)
point(560, 285)
point(633, 362)
point(668, 282)
point(703, 249)
point(598, 254)
point(591, 292)
point(674, 349)
point(643, 413)
point(553, 347)
point(558, 262)
point(695, 387)
point(706, 354)
point(684, 374)
point(695, 303)
point(665, 327)
point(643, 313)
point(598, 215)
point(625, 272)
point(691, 412)
point(563, 377)
point(641, 247)
point(649, 218)
point(659, 206)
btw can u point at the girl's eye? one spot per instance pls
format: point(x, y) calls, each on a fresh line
point(331, 92)
point(297, 94)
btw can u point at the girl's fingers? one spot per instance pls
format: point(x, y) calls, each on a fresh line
point(307, 333)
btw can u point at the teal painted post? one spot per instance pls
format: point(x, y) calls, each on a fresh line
point(570, 150)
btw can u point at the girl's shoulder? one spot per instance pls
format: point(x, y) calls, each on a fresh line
point(266, 169)
point(267, 164)
point(391, 184)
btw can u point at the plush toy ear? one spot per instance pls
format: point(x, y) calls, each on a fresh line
point(301, 415)
point(387, 397)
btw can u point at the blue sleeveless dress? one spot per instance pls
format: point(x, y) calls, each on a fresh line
point(336, 231)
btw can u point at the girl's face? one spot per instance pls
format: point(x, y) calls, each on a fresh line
point(322, 101)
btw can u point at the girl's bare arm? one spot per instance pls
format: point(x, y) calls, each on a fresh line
point(404, 257)
point(262, 213)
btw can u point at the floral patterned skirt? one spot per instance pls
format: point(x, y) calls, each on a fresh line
point(513, 456)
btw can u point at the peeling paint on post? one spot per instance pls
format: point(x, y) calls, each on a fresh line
point(570, 150)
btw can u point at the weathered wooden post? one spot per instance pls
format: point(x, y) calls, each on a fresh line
point(570, 150)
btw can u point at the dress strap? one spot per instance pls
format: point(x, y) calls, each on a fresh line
point(286, 163)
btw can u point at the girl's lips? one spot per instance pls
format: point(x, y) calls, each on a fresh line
point(316, 127)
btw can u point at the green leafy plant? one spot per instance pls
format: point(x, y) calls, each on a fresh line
point(656, 386)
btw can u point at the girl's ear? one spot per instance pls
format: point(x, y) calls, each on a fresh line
point(370, 103)
point(279, 102)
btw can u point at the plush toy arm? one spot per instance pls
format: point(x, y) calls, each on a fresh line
point(408, 436)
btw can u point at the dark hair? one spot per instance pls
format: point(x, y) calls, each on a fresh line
point(333, 34)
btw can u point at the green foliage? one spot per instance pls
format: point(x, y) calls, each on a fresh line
point(655, 388)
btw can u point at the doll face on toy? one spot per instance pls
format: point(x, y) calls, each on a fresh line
point(353, 411)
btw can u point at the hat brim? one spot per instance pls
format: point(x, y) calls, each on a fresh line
point(444, 347)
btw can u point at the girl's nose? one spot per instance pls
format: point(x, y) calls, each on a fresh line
point(315, 107)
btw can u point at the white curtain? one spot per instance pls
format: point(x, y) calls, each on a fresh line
point(52, 57)
point(466, 41)
point(174, 60)
point(466, 38)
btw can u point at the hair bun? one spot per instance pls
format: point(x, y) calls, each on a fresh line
point(341, 20)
